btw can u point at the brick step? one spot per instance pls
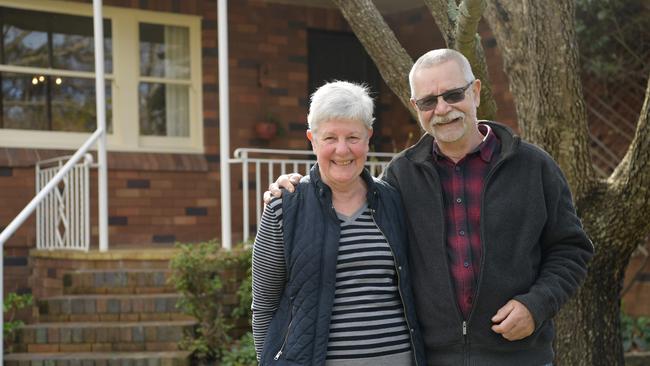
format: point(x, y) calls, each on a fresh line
point(102, 336)
point(177, 358)
point(117, 281)
point(83, 308)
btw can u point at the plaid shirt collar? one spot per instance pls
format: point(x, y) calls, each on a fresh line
point(486, 148)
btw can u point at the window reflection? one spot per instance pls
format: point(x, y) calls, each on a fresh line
point(50, 41)
point(164, 107)
point(164, 51)
point(60, 41)
point(164, 110)
point(54, 103)
point(24, 103)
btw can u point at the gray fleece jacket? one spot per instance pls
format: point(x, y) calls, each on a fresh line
point(534, 250)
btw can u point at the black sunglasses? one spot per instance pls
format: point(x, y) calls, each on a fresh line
point(450, 96)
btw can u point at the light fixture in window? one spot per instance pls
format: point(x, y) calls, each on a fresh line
point(34, 80)
point(41, 78)
point(58, 81)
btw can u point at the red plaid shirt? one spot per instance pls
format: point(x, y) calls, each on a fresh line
point(463, 184)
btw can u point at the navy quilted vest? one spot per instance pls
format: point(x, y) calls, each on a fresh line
point(299, 331)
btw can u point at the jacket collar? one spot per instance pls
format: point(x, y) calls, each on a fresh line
point(422, 151)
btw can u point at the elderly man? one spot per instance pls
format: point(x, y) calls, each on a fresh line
point(496, 247)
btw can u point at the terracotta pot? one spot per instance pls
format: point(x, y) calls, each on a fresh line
point(266, 130)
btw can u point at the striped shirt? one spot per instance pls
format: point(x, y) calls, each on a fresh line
point(367, 322)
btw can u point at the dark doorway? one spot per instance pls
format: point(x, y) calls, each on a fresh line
point(340, 56)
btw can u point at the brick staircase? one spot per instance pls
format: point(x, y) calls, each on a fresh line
point(105, 317)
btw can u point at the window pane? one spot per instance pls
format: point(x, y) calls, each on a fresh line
point(164, 51)
point(164, 110)
point(74, 105)
point(24, 104)
point(40, 39)
point(50, 103)
point(25, 39)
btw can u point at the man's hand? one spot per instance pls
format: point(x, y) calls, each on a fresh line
point(513, 321)
point(286, 181)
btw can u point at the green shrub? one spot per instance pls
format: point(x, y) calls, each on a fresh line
point(635, 332)
point(241, 353)
point(12, 303)
point(197, 273)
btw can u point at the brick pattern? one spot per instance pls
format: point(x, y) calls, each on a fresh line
point(100, 359)
point(94, 307)
point(102, 336)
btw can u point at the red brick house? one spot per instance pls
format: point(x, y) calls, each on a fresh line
point(162, 107)
point(162, 102)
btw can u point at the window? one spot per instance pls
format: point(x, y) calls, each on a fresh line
point(164, 85)
point(47, 79)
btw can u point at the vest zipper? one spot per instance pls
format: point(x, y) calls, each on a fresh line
point(399, 289)
point(286, 337)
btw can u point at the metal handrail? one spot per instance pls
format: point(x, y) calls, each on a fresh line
point(276, 161)
point(240, 151)
point(31, 206)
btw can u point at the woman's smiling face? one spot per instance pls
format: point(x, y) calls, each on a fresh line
point(341, 148)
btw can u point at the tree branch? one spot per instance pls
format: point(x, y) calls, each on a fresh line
point(380, 42)
point(444, 13)
point(469, 14)
point(632, 176)
point(468, 42)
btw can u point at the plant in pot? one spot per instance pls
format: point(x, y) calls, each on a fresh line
point(269, 128)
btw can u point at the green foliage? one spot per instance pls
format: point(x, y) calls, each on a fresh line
point(635, 332)
point(12, 303)
point(241, 353)
point(197, 273)
point(245, 290)
point(614, 37)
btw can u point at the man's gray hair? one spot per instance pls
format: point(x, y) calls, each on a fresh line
point(437, 57)
point(340, 99)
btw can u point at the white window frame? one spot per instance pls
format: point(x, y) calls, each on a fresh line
point(124, 81)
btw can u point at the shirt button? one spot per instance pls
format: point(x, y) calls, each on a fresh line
point(459, 200)
point(399, 268)
point(457, 168)
point(462, 233)
point(465, 264)
point(412, 330)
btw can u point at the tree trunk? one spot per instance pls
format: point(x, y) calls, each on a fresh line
point(537, 41)
point(538, 44)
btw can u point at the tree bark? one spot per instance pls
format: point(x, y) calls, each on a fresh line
point(393, 62)
point(539, 48)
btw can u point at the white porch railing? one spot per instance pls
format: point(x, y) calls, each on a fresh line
point(63, 217)
point(263, 166)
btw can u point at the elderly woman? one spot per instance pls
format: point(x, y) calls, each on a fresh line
point(330, 277)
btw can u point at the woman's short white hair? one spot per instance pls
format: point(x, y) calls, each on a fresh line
point(437, 57)
point(340, 99)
